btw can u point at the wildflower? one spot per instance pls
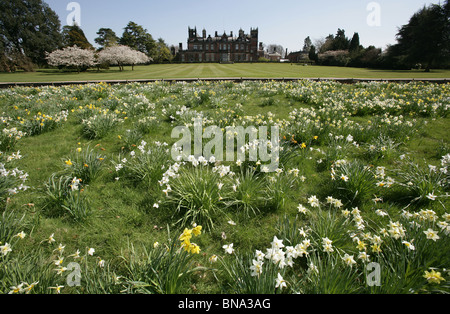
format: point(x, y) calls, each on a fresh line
point(302, 232)
point(409, 245)
point(446, 216)
point(30, 287)
point(346, 213)
point(445, 227)
point(349, 260)
point(277, 243)
point(5, 249)
point(213, 259)
point(51, 238)
point(17, 289)
point(281, 283)
point(256, 268)
point(69, 162)
point(155, 245)
point(432, 235)
point(21, 235)
point(60, 270)
point(381, 213)
point(59, 261)
point(76, 254)
point(328, 248)
point(377, 199)
point(301, 209)
point(101, 263)
point(186, 235)
point(194, 249)
point(330, 200)
point(431, 196)
point(337, 203)
point(259, 255)
point(344, 178)
point(91, 251)
point(396, 231)
point(312, 269)
point(60, 248)
point(327, 245)
point(376, 248)
point(433, 277)
point(361, 245)
point(197, 231)
point(228, 248)
point(231, 222)
point(363, 256)
point(57, 289)
point(313, 201)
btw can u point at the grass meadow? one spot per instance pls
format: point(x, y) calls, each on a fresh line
point(93, 203)
point(214, 70)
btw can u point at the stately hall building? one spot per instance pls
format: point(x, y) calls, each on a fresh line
point(223, 48)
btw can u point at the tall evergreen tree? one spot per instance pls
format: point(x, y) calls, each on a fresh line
point(28, 29)
point(354, 43)
point(136, 37)
point(106, 38)
point(73, 35)
point(312, 55)
point(425, 39)
point(307, 44)
point(340, 41)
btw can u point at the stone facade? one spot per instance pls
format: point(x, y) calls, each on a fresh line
point(225, 48)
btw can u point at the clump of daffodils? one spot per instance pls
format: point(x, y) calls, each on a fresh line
point(186, 237)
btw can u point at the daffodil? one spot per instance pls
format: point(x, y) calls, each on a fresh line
point(433, 276)
point(280, 282)
point(59, 261)
point(21, 235)
point(197, 231)
point(57, 289)
point(228, 248)
point(16, 289)
point(409, 245)
point(349, 260)
point(5, 249)
point(213, 259)
point(256, 268)
point(194, 249)
point(432, 235)
point(186, 235)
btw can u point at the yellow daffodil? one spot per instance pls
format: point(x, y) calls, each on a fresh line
point(433, 277)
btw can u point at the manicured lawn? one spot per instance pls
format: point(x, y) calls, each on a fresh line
point(283, 70)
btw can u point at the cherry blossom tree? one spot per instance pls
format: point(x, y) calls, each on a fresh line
point(72, 57)
point(122, 55)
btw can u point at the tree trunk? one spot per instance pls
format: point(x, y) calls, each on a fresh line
point(428, 68)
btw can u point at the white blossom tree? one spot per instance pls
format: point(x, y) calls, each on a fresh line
point(122, 55)
point(72, 57)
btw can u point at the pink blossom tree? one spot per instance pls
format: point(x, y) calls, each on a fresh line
point(122, 55)
point(72, 57)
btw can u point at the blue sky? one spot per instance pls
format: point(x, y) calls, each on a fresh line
point(286, 22)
